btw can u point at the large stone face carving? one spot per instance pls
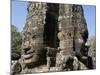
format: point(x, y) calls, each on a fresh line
point(61, 27)
point(33, 33)
point(72, 31)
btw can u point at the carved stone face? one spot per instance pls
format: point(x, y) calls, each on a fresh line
point(31, 48)
point(33, 33)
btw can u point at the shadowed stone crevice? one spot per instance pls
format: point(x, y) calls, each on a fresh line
point(51, 25)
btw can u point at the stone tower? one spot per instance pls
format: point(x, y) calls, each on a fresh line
point(32, 41)
point(58, 26)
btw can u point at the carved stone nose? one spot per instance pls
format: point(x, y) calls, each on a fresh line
point(26, 49)
point(26, 46)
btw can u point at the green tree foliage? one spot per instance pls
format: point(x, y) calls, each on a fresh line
point(92, 50)
point(92, 43)
point(16, 41)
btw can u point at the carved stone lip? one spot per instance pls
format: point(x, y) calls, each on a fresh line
point(28, 61)
point(32, 59)
point(26, 48)
point(28, 56)
point(30, 52)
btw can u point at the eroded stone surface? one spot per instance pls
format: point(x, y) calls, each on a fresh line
point(60, 27)
point(33, 33)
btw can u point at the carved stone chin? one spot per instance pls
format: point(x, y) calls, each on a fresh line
point(32, 59)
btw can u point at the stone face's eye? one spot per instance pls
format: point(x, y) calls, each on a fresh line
point(69, 34)
point(33, 36)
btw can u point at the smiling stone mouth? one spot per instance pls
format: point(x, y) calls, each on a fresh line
point(28, 56)
point(30, 52)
